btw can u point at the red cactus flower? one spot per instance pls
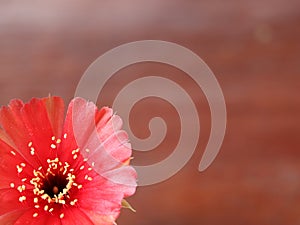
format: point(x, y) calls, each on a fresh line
point(62, 172)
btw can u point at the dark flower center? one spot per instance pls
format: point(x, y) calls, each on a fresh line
point(54, 184)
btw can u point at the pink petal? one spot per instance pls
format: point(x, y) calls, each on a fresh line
point(103, 116)
point(113, 124)
point(124, 179)
point(81, 130)
point(117, 145)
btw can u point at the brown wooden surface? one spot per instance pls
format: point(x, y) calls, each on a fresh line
point(253, 49)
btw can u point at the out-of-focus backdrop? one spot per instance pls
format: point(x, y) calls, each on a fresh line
point(252, 47)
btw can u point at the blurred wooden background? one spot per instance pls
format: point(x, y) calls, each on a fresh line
point(253, 49)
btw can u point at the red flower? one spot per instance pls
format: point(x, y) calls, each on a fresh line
point(60, 172)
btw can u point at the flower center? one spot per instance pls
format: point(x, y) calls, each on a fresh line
point(54, 185)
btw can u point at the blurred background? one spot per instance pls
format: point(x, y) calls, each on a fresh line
point(251, 46)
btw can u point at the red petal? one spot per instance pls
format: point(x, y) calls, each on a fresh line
point(103, 195)
point(10, 217)
point(100, 201)
point(43, 218)
point(4, 137)
point(11, 121)
point(100, 219)
point(29, 123)
point(38, 125)
point(8, 166)
point(55, 109)
point(9, 199)
point(74, 216)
